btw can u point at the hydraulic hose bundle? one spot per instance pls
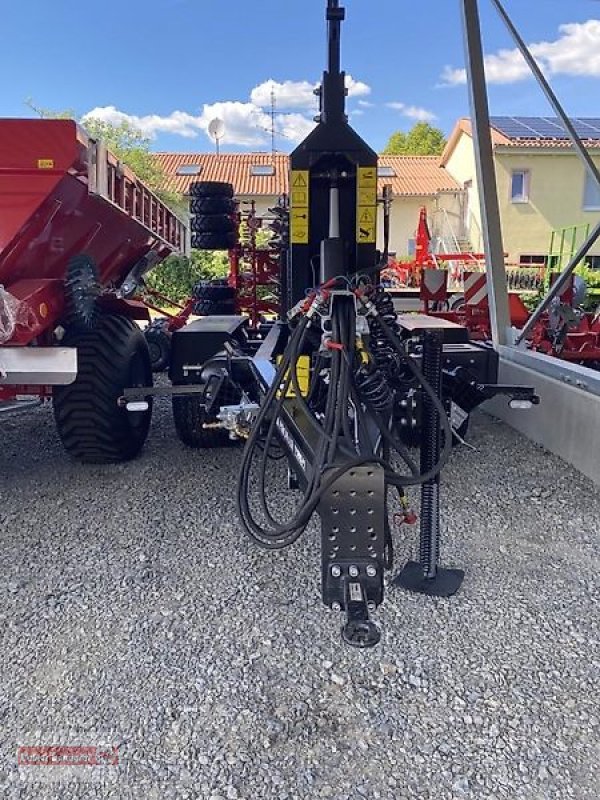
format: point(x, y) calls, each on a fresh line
point(354, 393)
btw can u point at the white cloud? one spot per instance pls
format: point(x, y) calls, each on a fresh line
point(366, 104)
point(246, 125)
point(299, 94)
point(413, 112)
point(289, 94)
point(357, 88)
point(576, 52)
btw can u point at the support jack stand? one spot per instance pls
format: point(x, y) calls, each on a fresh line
point(359, 630)
point(425, 576)
point(444, 583)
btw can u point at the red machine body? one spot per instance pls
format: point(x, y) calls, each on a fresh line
point(62, 194)
point(409, 273)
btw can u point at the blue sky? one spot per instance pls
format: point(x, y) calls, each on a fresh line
point(172, 65)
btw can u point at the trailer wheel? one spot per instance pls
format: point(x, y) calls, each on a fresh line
point(456, 302)
point(213, 241)
point(82, 289)
point(158, 340)
point(190, 418)
point(212, 205)
point(213, 291)
point(211, 189)
point(213, 223)
point(92, 427)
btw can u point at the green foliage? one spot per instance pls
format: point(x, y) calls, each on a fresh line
point(421, 140)
point(129, 145)
point(176, 276)
point(49, 113)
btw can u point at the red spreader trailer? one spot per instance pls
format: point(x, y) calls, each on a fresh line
point(77, 231)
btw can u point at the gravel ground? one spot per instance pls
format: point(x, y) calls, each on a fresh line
point(134, 611)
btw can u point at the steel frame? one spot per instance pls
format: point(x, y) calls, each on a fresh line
point(560, 383)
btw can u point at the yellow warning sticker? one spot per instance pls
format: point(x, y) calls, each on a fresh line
point(366, 215)
point(299, 225)
point(366, 233)
point(45, 163)
point(300, 179)
point(367, 197)
point(367, 177)
point(299, 197)
point(366, 211)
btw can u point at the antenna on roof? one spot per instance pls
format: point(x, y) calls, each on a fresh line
point(216, 131)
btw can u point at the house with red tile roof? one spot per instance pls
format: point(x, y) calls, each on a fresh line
point(416, 181)
point(542, 184)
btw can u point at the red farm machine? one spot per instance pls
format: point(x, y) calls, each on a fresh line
point(453, 286)
point(255, 245)
point(77, 232)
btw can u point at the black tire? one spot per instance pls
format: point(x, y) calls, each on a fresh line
point(82, 289)
point(207, 308)
point(190, 416)
point(212, 223)
point(158, 340)
point(212, 205)
point(212, 292)
point(92, 427)
point(213, 241)
point(211, 189)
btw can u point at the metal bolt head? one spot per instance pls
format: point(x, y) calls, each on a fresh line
point(336, 571)
point(353, 572)
point(371, 571)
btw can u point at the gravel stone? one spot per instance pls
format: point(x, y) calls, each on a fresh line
point(135, 612)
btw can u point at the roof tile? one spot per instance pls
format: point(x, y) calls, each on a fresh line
point(416, 176)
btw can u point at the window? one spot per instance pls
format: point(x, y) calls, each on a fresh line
point(386, 172)
point(531, 260)
point(519, 192)
point(189, 169)
point(262, 169)
point(593, 262)
point(591, 194)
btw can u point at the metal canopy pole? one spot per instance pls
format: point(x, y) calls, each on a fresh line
point(486, 176)
point(583, 154)
point(549, 92)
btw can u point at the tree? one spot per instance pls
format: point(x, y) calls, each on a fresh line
point(129, 145)
point(176, 275)
point(421, 140)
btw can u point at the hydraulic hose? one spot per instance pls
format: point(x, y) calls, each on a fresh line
point(335, 439)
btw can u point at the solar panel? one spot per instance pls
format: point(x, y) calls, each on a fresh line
point(589, 127)
point(545, 127)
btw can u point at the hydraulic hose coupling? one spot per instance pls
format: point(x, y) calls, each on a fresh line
point(302, 307)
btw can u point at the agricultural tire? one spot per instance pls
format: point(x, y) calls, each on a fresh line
point(212, 205)
point(190, 417)
point(213, 223)
point(158, 340)
point(214, 292)
point(211, 189)
point(208, 308)
point(92, 427)
point(214, 241)
point(81, 290)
